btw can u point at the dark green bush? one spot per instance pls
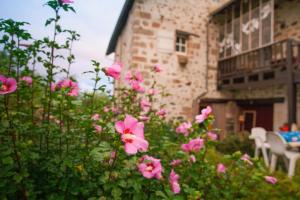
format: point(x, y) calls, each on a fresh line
point(236, 142)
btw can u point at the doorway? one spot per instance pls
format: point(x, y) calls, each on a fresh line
point(257, 116)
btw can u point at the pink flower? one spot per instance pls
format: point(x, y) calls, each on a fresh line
point(221, 168)
point(144, 118)
point(184, 128)
point(162, 113)
point(27, 80)
point(132, 134)
point(137, 76)
point(212, 136)
point(53, 87)
point(98, 128)
point(95, 117)
point(204, 114)
point(271, 179)
point(67, 1)
point(173, 180)
point(69, 85)
point(137, 87)
point(114, 109)
point(7, 85)
point(193, 145)
point(114, 70)
point(150, 167)
point(246, 159)
point(176, 162)
point(135, 81)
point(157, 68)
point(192, 159)
point(152, 91)
point(113, 155)
point(145, 105)
point(106, 109)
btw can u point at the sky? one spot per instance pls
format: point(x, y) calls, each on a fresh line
point(94, 20)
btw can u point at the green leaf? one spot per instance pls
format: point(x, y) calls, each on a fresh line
point(7, 161)
point(49, 21)
point(116, 193)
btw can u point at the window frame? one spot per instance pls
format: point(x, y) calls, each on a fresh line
point(180, 44)
point(241, 17)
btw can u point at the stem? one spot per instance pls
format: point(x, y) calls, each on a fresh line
point(10, 55)
point(60, 125)
point(113, 164)
point(18, 78)
point(70, 62)
point(14, 140)
point(32, 90)
point(92, 106)
point(50, 78)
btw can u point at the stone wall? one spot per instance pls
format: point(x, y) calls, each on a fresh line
point(287, 20)
point(149, 38)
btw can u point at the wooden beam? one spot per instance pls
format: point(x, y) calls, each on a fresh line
point(291, 87)
point(244, 101)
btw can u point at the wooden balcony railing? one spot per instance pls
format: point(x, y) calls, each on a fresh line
point(258, 67)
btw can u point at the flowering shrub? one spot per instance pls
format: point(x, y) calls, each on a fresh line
point(56, 143)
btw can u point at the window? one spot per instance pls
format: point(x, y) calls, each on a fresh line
point(246, 25)
point(181, 43)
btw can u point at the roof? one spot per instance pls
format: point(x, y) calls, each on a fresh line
point(122, 20)
point(221, 8)
point(119, 26)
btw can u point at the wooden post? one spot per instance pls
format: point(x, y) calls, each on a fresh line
point(291, 87)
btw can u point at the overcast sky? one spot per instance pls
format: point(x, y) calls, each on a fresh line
point(94, 21)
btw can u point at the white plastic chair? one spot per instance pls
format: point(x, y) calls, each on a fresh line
point(279, 148)
point(259, 136)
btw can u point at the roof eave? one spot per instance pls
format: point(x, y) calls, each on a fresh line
point(122, 20)
point(221, 8)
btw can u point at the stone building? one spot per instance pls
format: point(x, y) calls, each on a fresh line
point(239, 56)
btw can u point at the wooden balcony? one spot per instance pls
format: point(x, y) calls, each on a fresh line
point(268, 65)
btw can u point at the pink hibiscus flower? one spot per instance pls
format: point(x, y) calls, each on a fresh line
point(132, 134)
point(70, 86)
point(7, 85)
point(135, 81)
point(150, 167)
point(67, 1)
point(212, 135)
point(162, 113)
point(114, 71)
point(137, 76)
point(115, 109)
point(173, 180)
point(221, 168)
point(204, 114)
point(27, 80)
point(176, 162)
point(184, 128)
point(137, 87)
point(53, 87)
point(152, 91)
point(145, 105)
point(98, 128)
point(106, 109)
point(193, 145)
point(95, 117)
point(246, 159)
point(144, 118)
point(113, 155)
point(271, 179)
point(192, 159)
point(157, 68)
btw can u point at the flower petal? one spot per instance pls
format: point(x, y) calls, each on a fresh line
point(120, 126)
